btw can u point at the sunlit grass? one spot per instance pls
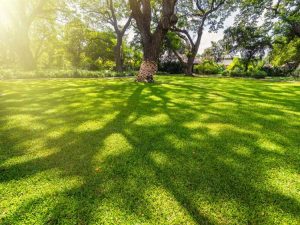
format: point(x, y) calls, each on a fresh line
point(180, 151)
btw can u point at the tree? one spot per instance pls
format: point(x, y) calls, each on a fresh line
point(215, 52)
point(7, 56)
point(75, 41)
point(153, 21)
point(99, 46)
point(22, 15)
point(285, 52)
point(250, 41)
point(283, 12)
point(87, 48)
point(282, 19)
point(194, 16)
point(114, 14)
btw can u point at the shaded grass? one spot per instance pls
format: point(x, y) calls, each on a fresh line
point(180, 151)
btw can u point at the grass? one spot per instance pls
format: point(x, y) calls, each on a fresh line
point(181, 151)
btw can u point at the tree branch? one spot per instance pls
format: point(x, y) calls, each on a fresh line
point(113, 16)
point(186, 33)
point(126, 25)
point(178, 57)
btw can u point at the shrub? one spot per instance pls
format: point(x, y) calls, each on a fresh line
point(208, 67)
point(15, 74)
point(259, 74)
point(237, 72)
point(236, 64)
point(277, 71)
point(296, 73)
point(170, 67)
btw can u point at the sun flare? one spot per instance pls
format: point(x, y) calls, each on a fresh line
point(7, 9)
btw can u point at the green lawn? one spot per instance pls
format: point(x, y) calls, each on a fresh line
point(181, 151)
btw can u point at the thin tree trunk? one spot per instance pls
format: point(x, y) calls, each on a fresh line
point(189, 69)
point(118, 55)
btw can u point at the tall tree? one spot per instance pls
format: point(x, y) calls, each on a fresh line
point(194, 16)
point(116, 15)
point(282, 19)
point(283, 12)
point(153, 21)
point(215, 52)
point(75, 41)
point(22, 14)
point(250, 41)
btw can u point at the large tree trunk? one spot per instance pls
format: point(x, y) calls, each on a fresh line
point(142, 13)
point(119, 55)
point(149, 65)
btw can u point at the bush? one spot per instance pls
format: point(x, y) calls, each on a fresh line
point(208, 67)
point(225, 73)
point(170, 67)
point(296, 73)
point(15, 74)
point(279, 71)
point(237, 72)
point(259, 74)
point(236, 64)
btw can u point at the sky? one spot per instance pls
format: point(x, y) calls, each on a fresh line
point(208, 37)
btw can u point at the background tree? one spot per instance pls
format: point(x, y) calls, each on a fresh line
point(153, 24)
point(75, 41)
point(285, 52)
point(88, 49)
point(249, 41)
point(99, 49)
point(22, 15)
point(7, 56)
point(215, 52)
point(194, 16)
point(283, 12)
point(114, 14)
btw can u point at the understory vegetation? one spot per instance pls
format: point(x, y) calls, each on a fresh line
point(16, 74)
point(183, 150)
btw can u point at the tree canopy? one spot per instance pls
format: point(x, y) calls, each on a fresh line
point(128, 34)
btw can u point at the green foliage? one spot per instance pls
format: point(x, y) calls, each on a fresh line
point(173, 41)
point(258, 74)
point(296, 73)
point(215, 52)
point(236, 64)
point(133, 57)
point(99, 46)
point(275, 71)
point(237, 69)
point(17, 74)
point(284, 52)
point(173, 67)
point(208, 67)
point(250, 41)
point(280, 17)
point(75, 41)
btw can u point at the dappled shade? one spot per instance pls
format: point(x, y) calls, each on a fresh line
point(179, 151)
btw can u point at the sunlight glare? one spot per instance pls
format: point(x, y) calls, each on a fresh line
point(6, 8)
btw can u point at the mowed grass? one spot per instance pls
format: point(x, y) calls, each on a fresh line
point(180, 151)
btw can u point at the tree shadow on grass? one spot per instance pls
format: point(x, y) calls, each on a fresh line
point(182, 159)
